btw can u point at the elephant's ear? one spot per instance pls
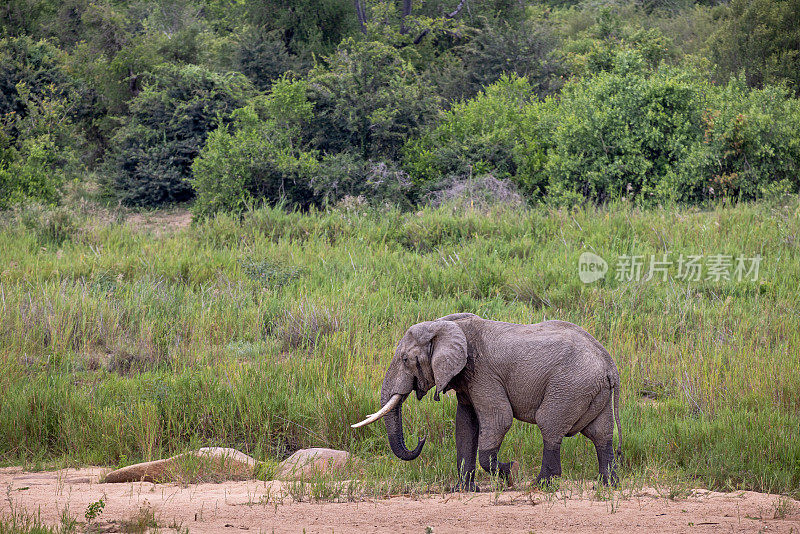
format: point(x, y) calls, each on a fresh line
point(449, 354)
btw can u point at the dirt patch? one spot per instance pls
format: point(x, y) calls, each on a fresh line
point(269, 507)
point(161, 221)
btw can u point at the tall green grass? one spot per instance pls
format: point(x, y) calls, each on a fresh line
point(272, 333)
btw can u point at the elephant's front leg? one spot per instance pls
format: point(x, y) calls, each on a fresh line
point(494, 423)
point(466, 447)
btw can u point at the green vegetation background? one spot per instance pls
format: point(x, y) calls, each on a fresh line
point(347, 180)
point(126, 340)
point(240, 102)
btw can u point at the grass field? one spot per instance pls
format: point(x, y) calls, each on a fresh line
point(123, 342)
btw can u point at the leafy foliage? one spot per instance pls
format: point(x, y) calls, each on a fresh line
point(38, 139)
point(495, 133)
point(408, 103)
point(258, 156)
point(263, 58)
point(169, 121)
point(496, 49)
point(344, 176)
point(760, 38)
point(751, 144)
point(261, 156)
point(368, 99)
point(624, 132)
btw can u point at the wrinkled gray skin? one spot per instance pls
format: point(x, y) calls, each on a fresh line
point(553, 374)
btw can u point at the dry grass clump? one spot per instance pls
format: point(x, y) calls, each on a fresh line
point(304, 326)
point(480, 193)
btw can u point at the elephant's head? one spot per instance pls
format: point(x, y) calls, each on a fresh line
point(429, 354)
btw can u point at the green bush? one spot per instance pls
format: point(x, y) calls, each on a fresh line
point(263, 57)
point(346, 175)
point(38, 139)
point(760, 38)
point(497, 49)
point(153, 150)
point(258, 156)
point(634, 130)
point(29, 172)
point(261, 156)
point(670, 135)
point(625, 132)
point(38, 65)
point(497, 132)
point(751, 144)
point(368, 99)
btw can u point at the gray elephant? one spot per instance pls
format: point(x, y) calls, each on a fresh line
point(553, 374)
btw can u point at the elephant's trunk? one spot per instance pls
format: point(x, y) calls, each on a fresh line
point(398, 381)
point(394, 428)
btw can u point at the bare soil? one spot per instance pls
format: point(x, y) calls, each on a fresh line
point(160, 222)
point(267, 507)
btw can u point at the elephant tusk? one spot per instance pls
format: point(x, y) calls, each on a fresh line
point(389, 406)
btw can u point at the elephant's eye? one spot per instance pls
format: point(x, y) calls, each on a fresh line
point(405, 358)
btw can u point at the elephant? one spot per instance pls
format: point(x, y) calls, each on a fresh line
point(553, 374)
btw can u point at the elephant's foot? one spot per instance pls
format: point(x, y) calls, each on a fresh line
point(504, 470)
point(551, 465)
point(547, 480)
point(507, 473)
point(610, 480)
point(466, 486)
point(607, 462)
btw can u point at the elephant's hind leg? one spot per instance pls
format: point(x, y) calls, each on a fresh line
point(494, 424)
point(601, 433)
point(551, 462)
point(555, 422)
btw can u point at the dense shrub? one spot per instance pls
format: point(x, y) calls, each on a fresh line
point(28, 171)
point(527, 50)
point(625, 132)
point(263, 57)
point(497, 132)
point(760, 38)
point(670, 135)
point(751, 144)
point(37, 65)
point(37, 134)
point(368, 99)
point(258, 156)
point(346, 175)
point(631, 130)
point(169, 120)
point(261, 156)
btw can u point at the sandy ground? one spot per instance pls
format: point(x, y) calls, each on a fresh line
point(264, 507)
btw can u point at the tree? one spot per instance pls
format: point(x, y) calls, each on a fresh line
point(153, 150)
point(367, 99)
point(760, 38)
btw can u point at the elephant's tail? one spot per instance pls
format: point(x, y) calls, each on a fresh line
point(615, 398)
